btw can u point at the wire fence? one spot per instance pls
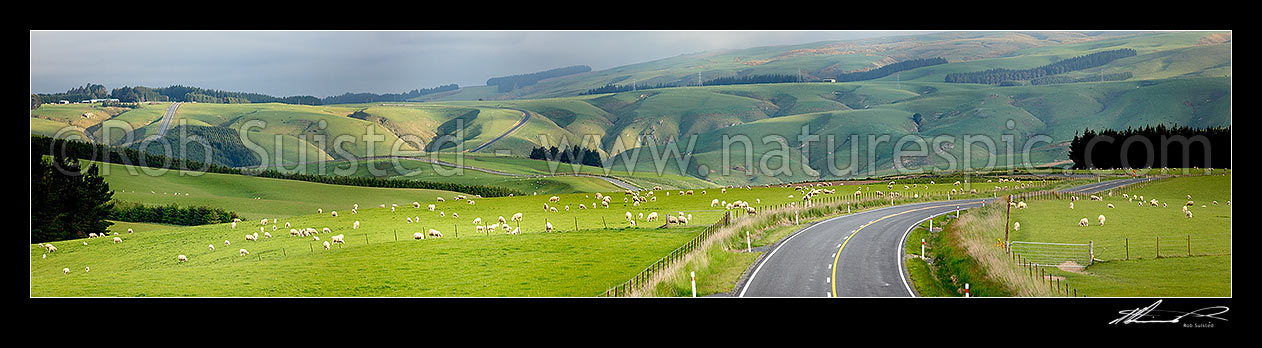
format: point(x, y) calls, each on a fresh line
point(642, 278)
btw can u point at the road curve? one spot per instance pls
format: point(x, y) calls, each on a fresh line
point(523, 121)
point(856, 255)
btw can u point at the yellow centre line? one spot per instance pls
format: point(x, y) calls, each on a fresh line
point(856, 231)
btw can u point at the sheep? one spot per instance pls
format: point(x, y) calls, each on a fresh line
point(356, 206)
point(1110, 206)
point(1020, 205)
point(751, 211)
point(211, 246)
point(630, 217)
point(117, 240)
point(470, 202)
point(234, 224)
point(267, 234)
point(1187, 213)
point(493, 227)
point(416, 205)
point(1083, 222)
point(226, 243)
point(65, 270)
point(640, 216)
point(652, 216)
point(434, 233)
point(1071, 205)
point(671, 219)
point(326, 245)
point(263, 222)
point(516, 230)
point(339, 239)
point(92, 235)
point(477, 221)
point(547, 226)
point(440, 200)
point(244, 252)
point(682, 220)
point(418, 236)
point(409, 220)
point(502, 219)
point(334, 213)
point(129, 230)
point(554, 199)
point(714, 203)
point(582, 206)
point(1101, 218)
point(455, 215)
point(315, 238)
point(181, 258)
point(442, 214)
point(431, 207)
point(1016, 226)
point(604, 204)
point(554, 209)
point(1190, 203)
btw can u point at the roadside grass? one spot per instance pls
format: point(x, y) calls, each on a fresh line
point(1143, 250)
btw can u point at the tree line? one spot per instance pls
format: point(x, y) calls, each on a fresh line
point(575, 155)
point(1049, 80)
point(611, 88)
point(1152, 147)
point(67, 201)
point(359, 98)
point(999, 75)
point(134, 157)
point(753, 79)
point(509, 83)
point(171, 214)
point(889, 69)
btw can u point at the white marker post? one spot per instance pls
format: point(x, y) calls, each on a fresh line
point(965, 290)
point(922, 248)
point(694, 284)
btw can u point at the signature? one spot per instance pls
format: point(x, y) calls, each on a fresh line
point(1151, 314)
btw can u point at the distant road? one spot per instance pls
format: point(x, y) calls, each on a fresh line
point(615, 181)
point(166, 119)
point(523, 121)
point(1104, 185)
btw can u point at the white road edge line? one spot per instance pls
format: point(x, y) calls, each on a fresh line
point(773, 253)
point(902, 245)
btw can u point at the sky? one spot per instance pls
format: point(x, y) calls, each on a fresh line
point(326, 63)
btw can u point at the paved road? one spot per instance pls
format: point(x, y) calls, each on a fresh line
point(857, 255)
point(1104, 185)
point(166, 119)
point(523, 121)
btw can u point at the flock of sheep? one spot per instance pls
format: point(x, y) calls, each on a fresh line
point(1138, 199)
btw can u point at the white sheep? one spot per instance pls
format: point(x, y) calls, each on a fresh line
point(315, 238)
point(516, 230)
point(1020, 205)
point(547, 226)
point(251, 237)
point(1083, 222)
point(416, 204)
point(1071, 205)
point(434, 233)
point(1016, 226)
point(244, 252)
point(630, 217)
point(671, 219)
point(117, 240)
point(418, 236)
point(493, 227)
point(515, 217)
point(65, 270)
point(334, 213)
point(355, 226)
point(477, 221)
point(554, 199)
point(431, 207)
point(339, 239)
point(267, 234)
point(1110, 205)
point(181, 258)
point(326, 245)
point(226, 243)
point(652, 217)
point(455, 215)
point(129, 230)
point(440, 199)
point(1188, 213)
point(1101, 218)
point(211, 246)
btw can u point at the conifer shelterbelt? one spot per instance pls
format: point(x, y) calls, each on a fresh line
point(574, 155)
point(67, 201)
point(1152, 147)
point(996, 76)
